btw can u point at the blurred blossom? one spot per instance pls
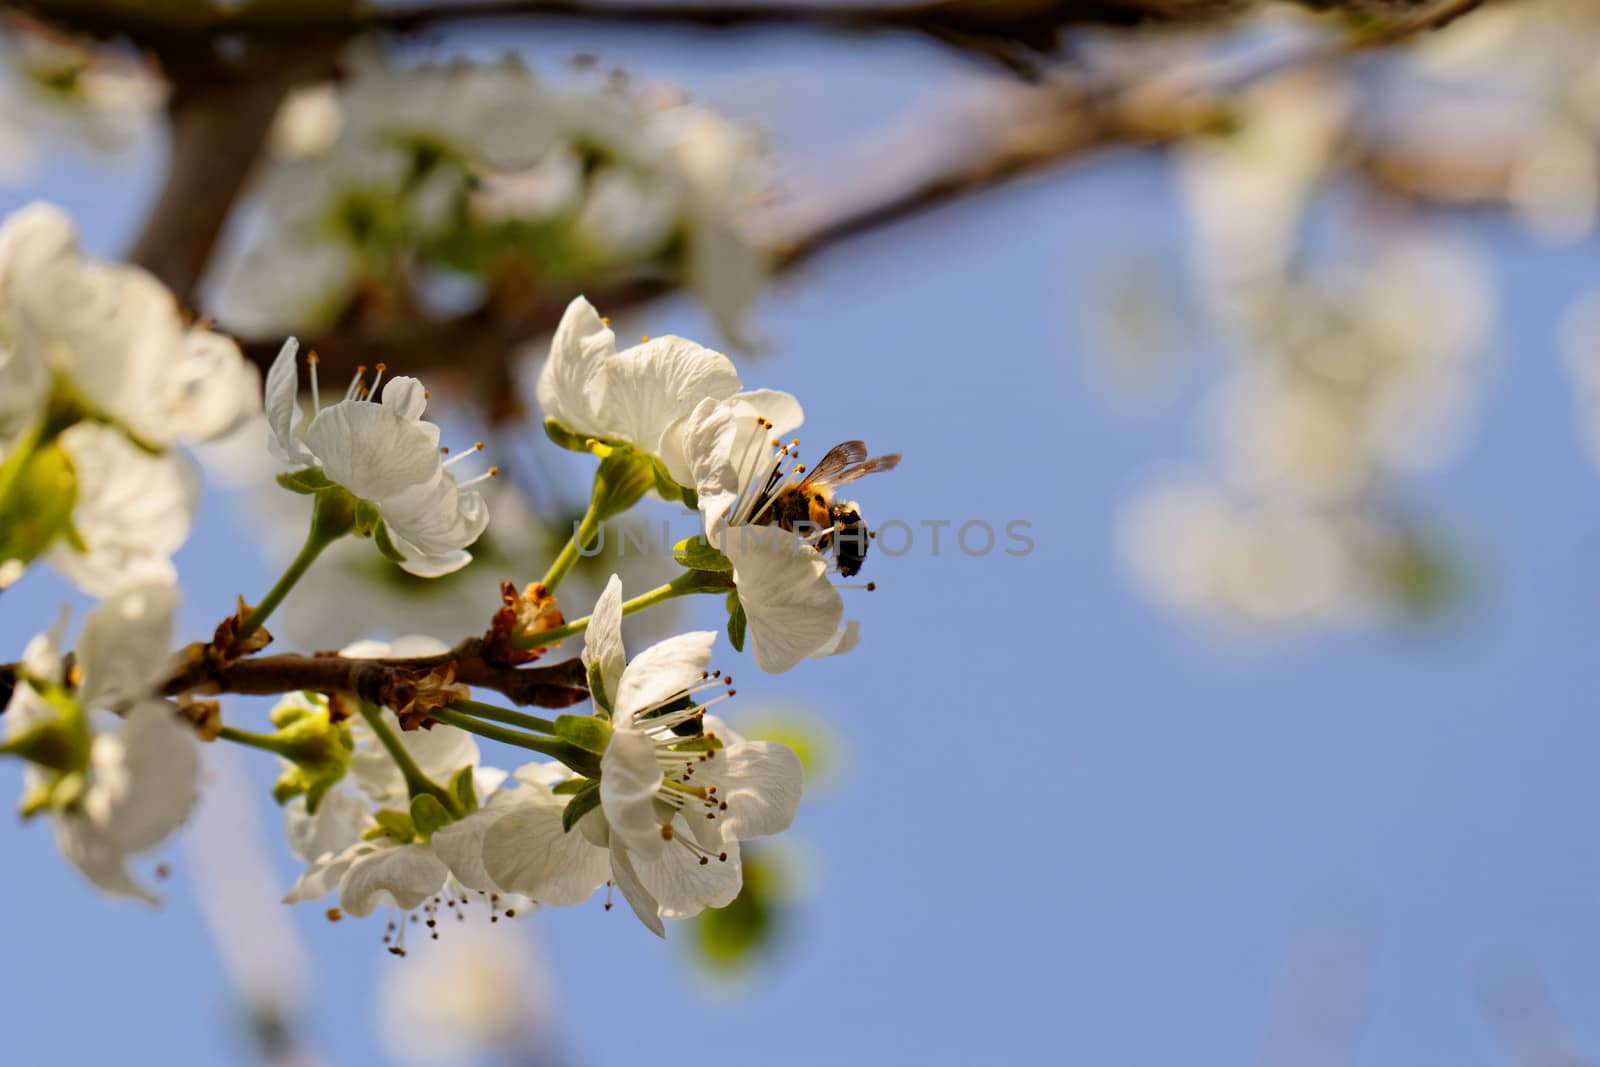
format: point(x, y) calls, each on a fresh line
point(307, 124)
point(1360, 369)
point(398, 174)
point(1537, 59)
point(1247, 191)
point(1197, 549)
point(52, 90)
point(480, 991)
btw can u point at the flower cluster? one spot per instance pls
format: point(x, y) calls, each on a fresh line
point(100, 376)
point(430, 187)
point(1345, 376)
point(388, 799)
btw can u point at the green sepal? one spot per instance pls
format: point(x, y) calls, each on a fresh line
point(367, 518)
point(737, 622)
point(698, 554)
point(463, 789)
point(380, 537)
point(428, 814)
point(395, 825)
point(597, 689)
point(691, 499)
point(306, 481)
point(571, 786)
point(564, 437)
point(39, 506)
point(581, 804)
point(623, 476)
point(665, 486)
point(589, 732)
point(335, 512)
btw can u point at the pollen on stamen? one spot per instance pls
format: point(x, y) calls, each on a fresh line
point(645, 339)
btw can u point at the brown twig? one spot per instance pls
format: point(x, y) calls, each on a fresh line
point(556, 685)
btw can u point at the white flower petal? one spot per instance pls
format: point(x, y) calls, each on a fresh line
point(568, 389)
point(322, 875)
point(144, 778)
point(101, 860)
point(602, 641)
point(761, 782)
point(372, 451)
point(682, 885)
point(126, 645)
point(653, 384)
point(792, 607)
point(525, 851)
point(460, 847)
point(662, 671)
point(283, 406)
point(629, 778)
point(340, 820)
point(407, 875)
point(132, 512)
point(633, 891)
point(405, 397)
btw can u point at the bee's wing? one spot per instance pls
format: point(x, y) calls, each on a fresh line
point(867, 466)
point(839, 457)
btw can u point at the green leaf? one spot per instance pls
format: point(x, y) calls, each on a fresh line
point(428, 814)
point(597, 689)
point(570, 786)
point(585, 801)
point(588, 732)
point(698, 554)
point(380, 537)
point(308, 480)
point(621, 479)
point(736, 621)
point(463, 790)
point(564, 437)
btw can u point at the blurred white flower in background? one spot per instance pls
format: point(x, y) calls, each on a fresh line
point(53, 91)
point(403, 180)
point(1353, 361)
point(483, 991)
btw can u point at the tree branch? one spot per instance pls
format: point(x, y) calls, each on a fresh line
point(557, 685)
point(221, 113)
point(991, 27)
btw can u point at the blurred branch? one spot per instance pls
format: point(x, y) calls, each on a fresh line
point(995, 28)
point(220, 113)
point(981, 138)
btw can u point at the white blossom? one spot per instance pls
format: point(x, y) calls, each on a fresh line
point(382, 451)
point(138, 780)
point(678, 790)
point(736, 456)
point(115, 335)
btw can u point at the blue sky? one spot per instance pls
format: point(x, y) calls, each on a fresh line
point(1070, 830)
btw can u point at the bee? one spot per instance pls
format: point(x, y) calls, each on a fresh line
point(809, 505)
